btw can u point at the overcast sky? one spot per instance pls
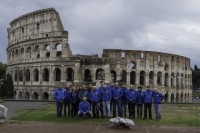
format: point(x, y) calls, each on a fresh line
point(171, 26)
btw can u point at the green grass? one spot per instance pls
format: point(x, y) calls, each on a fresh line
point(172, 115)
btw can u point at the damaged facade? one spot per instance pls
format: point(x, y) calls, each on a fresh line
point(39, 57)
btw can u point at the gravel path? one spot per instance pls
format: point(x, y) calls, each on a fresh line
point(15, 107)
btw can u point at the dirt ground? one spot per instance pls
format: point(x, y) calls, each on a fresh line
point(41, 127)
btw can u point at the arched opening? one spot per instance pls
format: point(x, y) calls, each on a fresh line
point(45, 96)
point(28, 52)
point(172, 97)
point(172, 80)
point(142, 78)
point(132, 65)
point(16, 53)
point(35, 75)
point(20, 95)
point(159, 78)
point(88, 75)
point(22, 51)
point(45, 75)
point(177, 80)
point(113, 75)
point(177, 97)
point(124, 76)
point(166, 97)
point(151, 78)
point(58, 50)
point(181, 97)
point(35, 96)
point(188, 97)
point(70, 74)
point(27, 74)
point(182, 77)
point(57, 74)
point(166, 80)
point(47, 48)
point(166, 67)
point(27, 95)
point(20, 75)
point(37, 51)
point(132, 77)
point(16, 75)
point(100, 75)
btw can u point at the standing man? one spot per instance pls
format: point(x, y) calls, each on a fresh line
point(131, 97)
point(140, 101)
point(110, 87)
point(94, 98)
point(67, 102)
point(106, 98)
point(148, 95)
point(83, 93)
point(59, 96)
point(100, 101)
point(124, 100)
point(74, 102)
point(117, 94)
point(157, 98)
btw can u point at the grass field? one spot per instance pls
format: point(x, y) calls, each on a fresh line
point(172, 115)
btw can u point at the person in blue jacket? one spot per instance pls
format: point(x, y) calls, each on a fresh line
point(100, 101)
point(106, 98)
point(117, 94)
point(157, 98)
point(59, 96)
point(74, 101)
point(94, 98)
point(131, 97)
point(110, 87)
point(67, 101)
point(83, 93)
point(124, 100)
point(84, 108)
point(148, 95)
point(140, 101)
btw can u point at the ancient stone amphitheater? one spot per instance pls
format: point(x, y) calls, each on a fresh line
point(39, 57)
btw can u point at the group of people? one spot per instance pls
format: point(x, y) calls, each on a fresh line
point(99, 102)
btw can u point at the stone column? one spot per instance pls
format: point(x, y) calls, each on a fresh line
point(137, 78)
point(163, 80)
point(52, 51)
point(155, 80)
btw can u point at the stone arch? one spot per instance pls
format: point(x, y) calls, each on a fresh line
point(70, 74)
point(27, 95)
point(151, 78)
point(166, 97)
point(172, 79)
point(27, 75)
point(58, 50)
point(21, 75)
point(87, 75)
point(45, 96)
point(166, 79)
point(132, 77)
point(35, 96)
point(16, 52)
point(166, 67)
point(22, 51)
point(45, 75)
point(159, 78)
point(20, 95)
point(16, 76)
point(124, 76)
point(182, 78)
point(172, 97)
point(37, 51)
point(100, 75)
point(181, 97)
point(113, 75)
point(142, 78)
point(28, 52)
point(132, 66)
point(36, 75)
point(177, 80)
point(47, 48)
point(177, 97)
point(57, 74)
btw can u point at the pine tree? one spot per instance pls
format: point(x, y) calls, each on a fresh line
point(9, 87)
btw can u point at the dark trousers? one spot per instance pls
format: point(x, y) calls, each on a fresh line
point(101, 108)
point(147, 106)
point(67, 105)
point(59, 107)
point(117, 102)
point(131, 109)
point(124, 106)
point(111, 105)
point(95, 109)
point(139, 110)
point(74, 108)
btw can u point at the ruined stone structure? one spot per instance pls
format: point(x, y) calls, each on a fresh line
point(39, 57)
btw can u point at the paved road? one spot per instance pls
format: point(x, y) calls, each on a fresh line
point(15, 107)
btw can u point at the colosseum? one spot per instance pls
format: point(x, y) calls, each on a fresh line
point(39, 57)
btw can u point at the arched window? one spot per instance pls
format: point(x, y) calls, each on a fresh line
point(45, 75)
point(58, 50)
point(151, 78)
point(88, 75)
point(27, 74)
point(57, 74)
point(27, 95)
point(123, 76)
point(132, 66)
point(22, 51)
point(35, 96)
point(20, 75)
point(36, 75)
point(166, 97)
point(47, 48)
point(172, 97)
point(100, 75)
point(166, 79)
point(177, 97)
point(20, 95)
point(172, 80)
point(16, 75)
point(70, 74)
point(142, 78)
point(113, 75)
point(28, 52)
point(132, 78)
point(45, 96)
point(159, 78)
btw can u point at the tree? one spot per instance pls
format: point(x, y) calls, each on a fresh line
point(7, 89)
point(2, 70)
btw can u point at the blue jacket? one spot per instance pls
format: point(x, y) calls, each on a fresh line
point(74, 96)
point(106, 95)
point(83, 93)
point(131, 95)
point(158, 97)
point(124, 91)
point(117, 92)
point(95, 96)
point(67, 98)
point(140, 97)
point(110, 88)
point(84, 107)
point(59, 94)
point(148, 95)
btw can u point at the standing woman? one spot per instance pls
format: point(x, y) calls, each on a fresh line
point(157, 98)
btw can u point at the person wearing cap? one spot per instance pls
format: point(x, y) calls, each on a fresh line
point(131, 97)
point(84, 108)
point(74, 101)
point(157, 98)
point(124, 100)
point(59, 95)
point(106, 98)
point(94, 98)
point(148, 95)
point(83, 93)
point(67, 101)
point(140, 101)
point(117, 94)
